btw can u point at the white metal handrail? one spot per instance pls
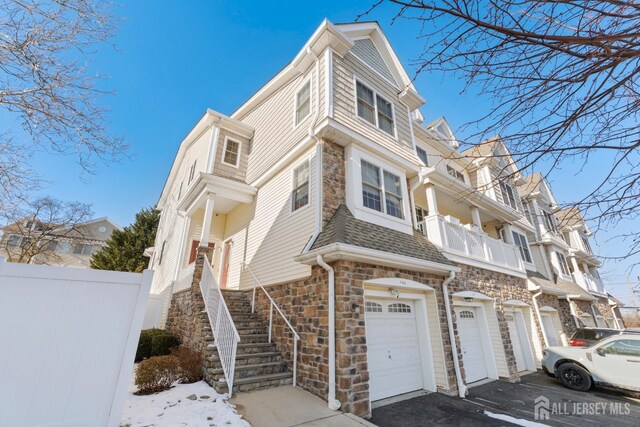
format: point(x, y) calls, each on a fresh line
point(273, 305)
point(225, 334)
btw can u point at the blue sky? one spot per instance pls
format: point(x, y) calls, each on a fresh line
point(173, 60)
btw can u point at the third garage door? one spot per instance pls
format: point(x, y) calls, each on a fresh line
point(393, 350)
point(475, 366)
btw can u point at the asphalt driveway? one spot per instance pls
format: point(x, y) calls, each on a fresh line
point(488, 404)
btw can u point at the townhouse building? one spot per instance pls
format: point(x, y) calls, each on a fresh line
point(322, 234)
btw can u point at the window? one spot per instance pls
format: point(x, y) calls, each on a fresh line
point(16, 240)
point(623, 348)
point(399, 308)
point(508, 195)
point(521, 243)
point(300, 193)
point(585, 243)
point(375, 109)
point(564, 267)
point(549, 222)
point(192, 171)
point(374, 189)
point(422, 154)
point(455, 173)
point(161, 252)
point(231, 152)
point(420, 215)
point(372, 307)
point(466, 314)
point(52, 245)
point(303, 102)
point(82, 249)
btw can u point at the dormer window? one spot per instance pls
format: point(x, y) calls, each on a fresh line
point(303, 102)
point(374, 109)
point(231, 152)
point(455, 173)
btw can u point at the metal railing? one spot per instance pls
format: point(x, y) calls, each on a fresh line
point(224, 331)
point(296, 337)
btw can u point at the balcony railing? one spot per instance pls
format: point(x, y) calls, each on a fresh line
point(465, 241)
point(589, 282)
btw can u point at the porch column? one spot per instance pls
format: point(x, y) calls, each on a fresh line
point(431, 199)
point(475, 216)
point(206, 223)
point(508, 235)
point(574, 262)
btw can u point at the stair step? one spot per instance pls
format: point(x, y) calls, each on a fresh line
point(244, 371)
point(255, 383)
point(245, 358)
point(251, 330)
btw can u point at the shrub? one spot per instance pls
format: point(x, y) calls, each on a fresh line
point(155, 342)
point(190, 364)
point(157, 374)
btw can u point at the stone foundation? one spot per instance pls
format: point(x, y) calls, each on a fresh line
point(564, 312)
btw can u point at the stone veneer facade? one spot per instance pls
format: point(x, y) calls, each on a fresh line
point(564, 312)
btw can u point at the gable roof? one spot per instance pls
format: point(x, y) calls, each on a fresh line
point(571, 217)
point(535, 183)
point(343, 227)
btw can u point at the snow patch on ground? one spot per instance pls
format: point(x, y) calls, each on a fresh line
point(517, 421)
point(173, 408)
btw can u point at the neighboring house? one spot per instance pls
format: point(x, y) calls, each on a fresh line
point(66, 247)
point(327, 187)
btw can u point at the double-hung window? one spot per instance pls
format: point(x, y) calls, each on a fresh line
point(585, 243)
point(374, 108)
point(455, 173)
point(549, 222)
point(303, 102)
point(564, 267)
point(508, 195)
point(422, 154)
point(381, 190)
point(300, 193)
point(82, 249)
point(231, 152)
point(521, 242)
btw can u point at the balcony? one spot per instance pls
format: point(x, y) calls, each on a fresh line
point(468, 245)
point(589, 282)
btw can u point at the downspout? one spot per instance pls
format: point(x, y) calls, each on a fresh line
point(312, 135)
point(615, 317)
point(534, 298)
point(462, 388)
point(412, 201)
point(573, 312)
point(333, 404)
point(595, 318)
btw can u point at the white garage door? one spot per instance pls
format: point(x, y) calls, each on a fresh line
point(393, 351)
point(549, 329)
point(516, 343)
point(475, 366)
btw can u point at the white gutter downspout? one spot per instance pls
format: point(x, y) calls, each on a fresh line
point(534, 298)
point(313, 136)
point(615, 317)
point(462, 388)
point(573, 312)
point(333, 404)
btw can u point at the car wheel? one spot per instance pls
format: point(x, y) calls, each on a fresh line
point(574, 377)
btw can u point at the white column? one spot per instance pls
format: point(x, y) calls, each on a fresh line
point(431, 199)
point(475, 216)
point(574, 262)
point(206, 223)
point(508, 234)
point(183, 247)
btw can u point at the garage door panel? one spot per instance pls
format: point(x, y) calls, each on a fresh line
point(393, 351)
point(516, 343)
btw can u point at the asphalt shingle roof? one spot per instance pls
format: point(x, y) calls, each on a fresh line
point(343, 227)
point(561, 285)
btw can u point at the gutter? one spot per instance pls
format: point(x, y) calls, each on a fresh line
point(332, 403)
point(573, 312)
point(534, 298)
point(462, 388)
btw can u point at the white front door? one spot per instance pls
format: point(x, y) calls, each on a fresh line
point(618, 363)
point(516, 343)
point(393, 350)
point(475, 366)
point(549, 330)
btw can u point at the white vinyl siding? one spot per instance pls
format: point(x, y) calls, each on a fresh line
point(276, 235)
point(437, 348)
point(365, 50)
point(496, 341)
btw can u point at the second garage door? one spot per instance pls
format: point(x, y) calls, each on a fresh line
point(393, 350)
point(475, 366)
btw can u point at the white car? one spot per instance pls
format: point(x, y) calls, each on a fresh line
point(612, 362)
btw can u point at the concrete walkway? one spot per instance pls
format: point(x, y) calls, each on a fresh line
point(287, 406)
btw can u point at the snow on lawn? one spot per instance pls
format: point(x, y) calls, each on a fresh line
point(193, 405)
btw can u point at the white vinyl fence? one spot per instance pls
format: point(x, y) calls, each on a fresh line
point(68, 338)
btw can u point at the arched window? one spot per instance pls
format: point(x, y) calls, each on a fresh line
point(399, 308)
point(466, 314)
point(372, 307)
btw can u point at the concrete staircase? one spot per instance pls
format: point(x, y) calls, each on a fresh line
point(259, 364)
